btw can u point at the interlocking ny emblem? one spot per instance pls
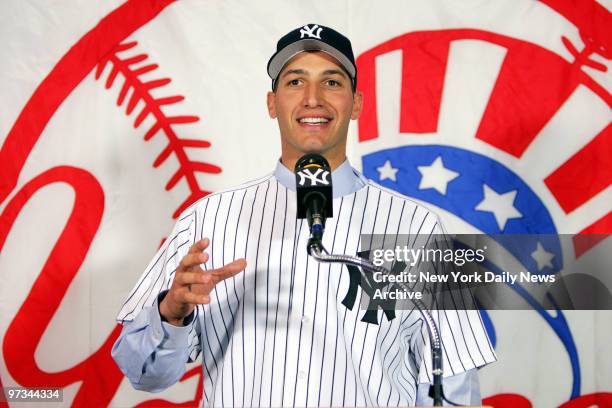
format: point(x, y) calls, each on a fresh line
point(310, 31)
point(307, 174)
point(368, 285)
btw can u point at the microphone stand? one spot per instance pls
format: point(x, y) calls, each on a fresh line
point(315, 249)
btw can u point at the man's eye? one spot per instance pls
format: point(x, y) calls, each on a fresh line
point(294, 82)
point(333, 82)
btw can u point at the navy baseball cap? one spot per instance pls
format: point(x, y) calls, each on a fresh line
point(313, 37)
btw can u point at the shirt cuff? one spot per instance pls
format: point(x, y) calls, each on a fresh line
point(169, 335)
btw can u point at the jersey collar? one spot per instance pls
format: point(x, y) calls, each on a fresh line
point(345, 179)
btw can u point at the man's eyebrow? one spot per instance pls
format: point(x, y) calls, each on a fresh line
point(335, 72)
point(327, 72)
point(294, 71)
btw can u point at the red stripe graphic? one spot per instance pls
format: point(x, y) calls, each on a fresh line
point(531, 87)
point(585, 174)
point(592, 235)
point(424, 56)
point(423, 71)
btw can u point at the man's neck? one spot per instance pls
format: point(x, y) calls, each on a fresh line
point(344, 178)
point(334, 162)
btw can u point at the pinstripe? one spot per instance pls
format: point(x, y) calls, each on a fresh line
point(383, 360)
point(216, 293)
point(455, 309)
point(345, 312)
point(312, 335)
point(280, 274)
point(326, 308)
point(392, 375)
point(292, 275)
point(453, 337)
point(246, 246)
point(467, 317)
point(235, 293)
point(205, 366)
point(380, 325)
point(202, 230)
point(356, 314)
point(301, 327)
point(227, 333)
point(394, 356)
point(337, 292)
point(267, 292)
point(263, 210)
point(358, 374)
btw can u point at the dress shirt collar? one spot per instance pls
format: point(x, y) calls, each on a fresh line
point(345, 179)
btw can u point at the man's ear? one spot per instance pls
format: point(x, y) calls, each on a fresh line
point(271, 104)
point(357, 105)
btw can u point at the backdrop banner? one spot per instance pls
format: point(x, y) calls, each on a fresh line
point(117, 115)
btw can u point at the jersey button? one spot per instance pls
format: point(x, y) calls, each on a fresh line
point(305, 319)
point(301, 375)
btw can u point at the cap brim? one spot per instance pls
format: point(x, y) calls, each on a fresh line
point(280, 59)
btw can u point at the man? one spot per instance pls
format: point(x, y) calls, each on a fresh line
point(234, 281)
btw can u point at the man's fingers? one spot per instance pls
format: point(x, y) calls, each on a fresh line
point(195, 298)
point(230, 269)
point(199, 246)
point(192, 285)
point(194, 278)
point(192, 259)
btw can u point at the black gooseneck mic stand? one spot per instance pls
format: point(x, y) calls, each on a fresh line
point(315, 249)
point(314, 195)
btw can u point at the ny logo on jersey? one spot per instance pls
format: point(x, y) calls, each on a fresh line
point(307, 177)
point(310, 31)
point(358, 278)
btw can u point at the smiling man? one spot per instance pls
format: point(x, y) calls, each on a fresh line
point(234, 282)
point(314, 102)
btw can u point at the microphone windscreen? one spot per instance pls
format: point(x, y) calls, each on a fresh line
point(313, 175)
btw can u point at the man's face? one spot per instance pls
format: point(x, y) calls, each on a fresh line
point(314, 104)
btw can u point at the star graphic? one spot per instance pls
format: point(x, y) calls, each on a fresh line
point(501, 205)
point(542, 257)
point(436, 176)
point(387, 171)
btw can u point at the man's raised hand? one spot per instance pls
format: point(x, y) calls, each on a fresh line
point(192, 285)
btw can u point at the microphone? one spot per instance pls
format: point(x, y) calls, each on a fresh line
point(314, 194)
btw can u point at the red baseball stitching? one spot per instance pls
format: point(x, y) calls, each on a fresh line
point(153, 106)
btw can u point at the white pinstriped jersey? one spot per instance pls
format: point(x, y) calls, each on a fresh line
point(277, 334)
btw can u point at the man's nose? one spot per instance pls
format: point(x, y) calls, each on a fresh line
point(312, 96)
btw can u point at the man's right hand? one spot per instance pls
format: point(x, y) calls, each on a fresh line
point(192, 285)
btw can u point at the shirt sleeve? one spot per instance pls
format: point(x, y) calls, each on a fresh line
point(462, 389)
point(152, 354)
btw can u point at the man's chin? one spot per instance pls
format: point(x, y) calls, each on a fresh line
point(314, 149)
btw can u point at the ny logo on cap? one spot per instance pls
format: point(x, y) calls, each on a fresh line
point(310, 31)
point(312, 179)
